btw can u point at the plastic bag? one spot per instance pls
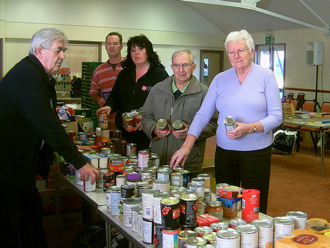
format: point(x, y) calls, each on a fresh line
point(284, 141)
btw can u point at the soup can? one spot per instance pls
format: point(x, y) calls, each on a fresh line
point(170, 238)
point(148, 229)
point(170, 209)
point(176, 179)
point(158, 196)
point(188, 207)
point(228, 238)
point(184, 235)
point(207, 180)
point(148, 203)
point(217, 226)
point(230, 123)
point(265, 232)
point(162, 185)
point(282, 226)
point(143, 159)
point(135, 218)
point(128, 204)
point(195, 242)
point(299, 218)
point(248, 235)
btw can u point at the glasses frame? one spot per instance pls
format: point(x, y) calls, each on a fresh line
point(241, 51)
point(185, 66)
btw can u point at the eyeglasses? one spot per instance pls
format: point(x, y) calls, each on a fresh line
point(238, 52)
point(184, 66)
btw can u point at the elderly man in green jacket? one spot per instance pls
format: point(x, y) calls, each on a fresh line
point(178, 97)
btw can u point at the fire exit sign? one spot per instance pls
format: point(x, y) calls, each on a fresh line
point(270, 40)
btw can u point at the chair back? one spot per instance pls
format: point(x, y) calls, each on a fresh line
point(290, 95)
point(294, 103)
point(309, 106)
point(325, 107)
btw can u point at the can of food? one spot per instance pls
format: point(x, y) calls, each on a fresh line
point(103, 119)
point(115, 201)
point(177, 193)
point(170, 238)
point(152, 173)
point(108, 197)
point(157, 197)
point(140, 224)
point(148, 229)
point(82, 136)
point(250, 205)
point(131, 149)
point(178, 125)
point(128, 204)
point(162, 124)
point(197, 180)
point(207, 195)
point(88, 186)
point(143, 159)
point(135, 218)
point(128, 171)
point(198, 189)
point(201, 230)
point(128, 121)
point(218, 186)
point(282, 226)
point(163, 174)
point(127, 191)
point(236, 222)
point(116, 165)
point(210, 237)
point(146, 177)
point(140, 187)
point(195, 242)
point(188, 209)
point(155, 160)
point(207, 180)
point(158, 235)
point(170, 213)
point(184, 235)
point(186, 178)
point(77, 178)
point(108, 180)
point(299, 218)
point(121, 180)
point(176, 179)
point(265, 232)
point(105, 151)
point(217, 226)
point(162, 185)
point(148, 203)
point(248, 235)
point(230, 123)
point(228, 238)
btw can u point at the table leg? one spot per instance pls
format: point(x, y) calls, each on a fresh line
point(57, 208)
point(108, 234)
point(322, 134)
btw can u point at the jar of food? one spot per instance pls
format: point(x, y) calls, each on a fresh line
point(103, 119)
point(133, 178)
point(215, 209)
point(162, 124)
point(108, 180)
point(178, 125)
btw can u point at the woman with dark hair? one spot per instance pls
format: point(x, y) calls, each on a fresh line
point(142, 70)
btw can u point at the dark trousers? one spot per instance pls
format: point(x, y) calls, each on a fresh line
point(247, 169)
point(21, 216)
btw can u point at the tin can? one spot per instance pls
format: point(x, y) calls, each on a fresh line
point(183, 237)
point(170, 238)
point(157, 197)
point(218, 186)
point(103, 119)
point(198, 189)
point(148, 203)
point(265, 232)
point(131, 149)
point(116, 165)
point(228, 238)
point(197, 180)
point(128, 121)
point(143, 159)
point(135, 218)
point(155, 160)
point(108, 197)
point(201, 230)
point(105, 151)
point(108, 180)
point(121, 180)
point(188, 209)
point(158, 235)
point(230, 123)
point(77, 178)
point(140, 187)
point(207, 180)
point(115, 201)
point(162, 185)
point(236, 222)
point(162, 124)
point(176, 179)
point(178, 125)
point(250, 205)
point(210, 237)
point(248, 235)
point(163, 174)
point(195, 242)
point(146, 177)
point(128, 204)
point(217, 226)
point(127, 191)
point(207, 195)
point(215, 209)
point(140, 224)
point(186, 178)
point(153, 174)
point(88, 186)
point(148, 229)
point(282, 226)
point(82, 136)
point(170, 208)
point(177, 193)
point(299, 218)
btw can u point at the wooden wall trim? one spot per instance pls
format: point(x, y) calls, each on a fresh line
point(309, 90)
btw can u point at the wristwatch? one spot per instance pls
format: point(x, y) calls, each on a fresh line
point(254, 128)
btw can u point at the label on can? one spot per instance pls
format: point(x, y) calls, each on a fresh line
point(88, 186)
point(115, 201)
point(143, 159)
point(171, 238)
point(148, 231)
point(128, 204)
point(248, 235)
point(188, 209)
point(170, 213)
point(148, 203)
point(250, 205)
point(265, 232)
point(228, 238)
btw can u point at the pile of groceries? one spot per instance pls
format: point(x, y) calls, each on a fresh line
point(167, 209)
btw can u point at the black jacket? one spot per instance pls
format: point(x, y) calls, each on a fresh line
point(28, 117)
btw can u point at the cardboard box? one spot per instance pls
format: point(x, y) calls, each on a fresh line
point(87, 113)
point(63, 94)
point(72, 126)
point(63, 86)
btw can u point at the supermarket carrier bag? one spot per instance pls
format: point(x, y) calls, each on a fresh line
point(284, 141)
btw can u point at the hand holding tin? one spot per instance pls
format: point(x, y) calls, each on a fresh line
point(87, 171)
point(162, 133)
point(181, 134)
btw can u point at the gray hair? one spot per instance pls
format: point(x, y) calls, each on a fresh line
point(242, 35)
point(45, 38)
point(184, 50)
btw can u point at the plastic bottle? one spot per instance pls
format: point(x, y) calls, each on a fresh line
point(98, 140)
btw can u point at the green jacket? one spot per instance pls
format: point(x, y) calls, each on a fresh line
point(161, 104)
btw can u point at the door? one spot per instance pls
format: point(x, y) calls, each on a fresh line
point(211, 64)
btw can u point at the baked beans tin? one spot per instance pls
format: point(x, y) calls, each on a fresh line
point(127, 191)
point(135, 218)
point(176, 179)
point(162, 185)
point(207, 180)
point(158, 196)
point(170, 209)
point(184, 235)
point(265, 232)
point(230, 123)
point(210, 237)
point(148, 231)
point(148, 203)
point(143, 159)
point(217, 226)
point(282, 226)
point(228, 238)
point(158, 235)
point(163, 174)
point(170, 238)
point(299, 218)
point(201, 230)
point(248, 235)
point(115, 201)
point(195, 242)
point(128, 204)
point(121, 180)
point(236, 222)
point(131, 149)
point(188, 207)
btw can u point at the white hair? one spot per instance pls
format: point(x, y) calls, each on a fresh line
point(242, 35)
point(184, 50)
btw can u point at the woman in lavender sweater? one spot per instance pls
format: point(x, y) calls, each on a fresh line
point(249, 93)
